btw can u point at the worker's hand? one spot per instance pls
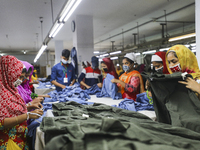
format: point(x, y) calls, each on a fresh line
point(37, 111)
point(88, 86)
point(35, 82)
point(191, 84)
point(34, 105)
point(114, 80)
point(71, 84)
point(100, 85)
point(147, 84)
point(38, 99)
point(63, 86)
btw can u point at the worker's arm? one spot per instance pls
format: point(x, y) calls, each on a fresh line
point(58, 84)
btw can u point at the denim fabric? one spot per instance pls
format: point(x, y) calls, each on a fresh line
point(43, 85)
point(93, 90)
point(127, 104)
point(109, 89)
point(142, 102)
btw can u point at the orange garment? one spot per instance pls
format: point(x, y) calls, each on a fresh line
point(126, 77)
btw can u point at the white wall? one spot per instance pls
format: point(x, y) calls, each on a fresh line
point(28, 58)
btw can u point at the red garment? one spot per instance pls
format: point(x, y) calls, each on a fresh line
point(162, 56)
point(11, 103)
point(111, 67)
point(31, 86)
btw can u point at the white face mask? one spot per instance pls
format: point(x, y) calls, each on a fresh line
point(64, 61)
point(17, 82)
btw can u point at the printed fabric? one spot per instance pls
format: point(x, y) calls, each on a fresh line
point(11, 103)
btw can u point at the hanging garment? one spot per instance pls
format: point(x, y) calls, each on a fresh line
point(109, 89)
point(98, 126)
point(74, 60)
point(173, 103)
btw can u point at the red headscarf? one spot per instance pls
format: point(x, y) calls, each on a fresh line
point(11, 103)
point(111, 67)
point(162, 55)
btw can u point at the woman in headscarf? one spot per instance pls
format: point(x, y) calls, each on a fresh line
point(119, 70)
point(13, 114)
point(130, 83)
point(159, 62)
point(180, 59)
point(108, 67)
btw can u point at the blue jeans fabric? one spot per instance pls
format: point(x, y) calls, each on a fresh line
point(93, 90)
point(109, 89)
point(142, 102)
point(43, 85)
point(127, 104)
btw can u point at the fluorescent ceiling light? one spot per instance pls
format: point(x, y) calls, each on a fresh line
point(117, 52)
point(54, 28)
point(149, 52)
point(100, 59)
point(164, 49)
point(117, 64)
point(182, 37)
point(194, 50)
point(96, 52)
point(187, 45)
point(57, 30)
point(1, 54)
point(97, 56)
point(112, 58)
point(104, 55)
point(193, 44)
point(137, 54)
point(72, 10)
point(66, 9)
point(42, 49)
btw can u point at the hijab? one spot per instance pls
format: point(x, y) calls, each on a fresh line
point(11, 103)
point(111, 67)
point(187, 60)
point(26, 84)
point(162, 55)
point(120, 70)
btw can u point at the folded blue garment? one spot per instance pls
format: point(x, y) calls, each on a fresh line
point(142, 102)
point(127, 104)
point(93, 90)
point(109, 89)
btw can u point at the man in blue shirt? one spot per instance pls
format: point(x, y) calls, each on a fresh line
point(63, 73)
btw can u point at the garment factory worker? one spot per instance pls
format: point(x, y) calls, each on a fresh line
point(91, 74)
point(181, 59)
point(130, 83)
point(159, 62)
point(108, 67)
point(63, 73)
point(13, 114)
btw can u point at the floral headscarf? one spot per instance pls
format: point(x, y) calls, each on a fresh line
point(11, 103)
point(187, 60)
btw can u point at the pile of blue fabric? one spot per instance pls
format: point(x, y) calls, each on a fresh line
point(70, 93)
point(142, 103)
point(43, 85)
point(93, 90)
point(109, 89)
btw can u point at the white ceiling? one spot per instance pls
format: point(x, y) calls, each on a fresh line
point(20, 21)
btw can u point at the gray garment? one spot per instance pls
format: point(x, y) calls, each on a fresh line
point(111, 128)
point(173, 103)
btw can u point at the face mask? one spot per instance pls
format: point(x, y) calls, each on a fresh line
point(17, 82)
point(159, 70)
point(64, 61)
point(126, 68)
point(105, 69)
point(176, 68)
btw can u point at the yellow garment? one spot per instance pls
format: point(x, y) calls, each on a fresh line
point(119, 71)
point(34, 78)
point(11, 145)
point(187, 60)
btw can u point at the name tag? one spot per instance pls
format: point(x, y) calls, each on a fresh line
point(65, 80)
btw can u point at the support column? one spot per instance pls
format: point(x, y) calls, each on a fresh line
point(83, 39)
point(58, 51)
point(197, 24)
point(48, 63)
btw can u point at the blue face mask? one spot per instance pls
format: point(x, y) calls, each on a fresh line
point(126, 68)
point(64, 61)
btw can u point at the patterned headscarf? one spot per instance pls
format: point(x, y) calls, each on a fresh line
point(11, 103)
point(187, 60)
